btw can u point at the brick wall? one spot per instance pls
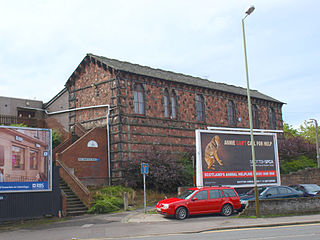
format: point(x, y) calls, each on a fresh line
point(79, 157)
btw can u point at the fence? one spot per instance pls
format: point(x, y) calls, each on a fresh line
point(31, 122)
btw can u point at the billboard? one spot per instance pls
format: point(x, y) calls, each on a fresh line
point(25, 159)
point(225, 158)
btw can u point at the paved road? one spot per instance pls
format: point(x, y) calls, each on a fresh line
point(293, 232)
point(142, 226)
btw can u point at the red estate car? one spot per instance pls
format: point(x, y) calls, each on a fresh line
point(201, 200)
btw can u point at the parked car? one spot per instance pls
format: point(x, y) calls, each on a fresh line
point(309, 190)
point(200, 200)
point(270, 192)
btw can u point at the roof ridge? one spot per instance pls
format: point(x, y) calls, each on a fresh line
point(179, 77)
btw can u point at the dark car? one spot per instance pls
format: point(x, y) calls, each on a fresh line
point(270, 192)
point(200, 200)
point(309, 190)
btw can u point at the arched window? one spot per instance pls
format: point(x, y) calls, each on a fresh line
point(200, 107)
point(166, 103)
point(173, 104)
point(231, 109)
point(255, 116)
point(138, 96)
point(272, 119)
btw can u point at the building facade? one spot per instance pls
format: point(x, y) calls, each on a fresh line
point(152, 107)
point(21, 111)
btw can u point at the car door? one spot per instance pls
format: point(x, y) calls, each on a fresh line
point(285, 192)
point(215, 200)
point(199, 203)
point(271, 193)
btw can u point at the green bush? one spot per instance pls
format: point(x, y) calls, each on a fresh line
point(294, 165)
point(109, 199)
point(56, 138)
point(106, 205)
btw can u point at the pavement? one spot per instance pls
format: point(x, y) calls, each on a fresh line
point(137, 223)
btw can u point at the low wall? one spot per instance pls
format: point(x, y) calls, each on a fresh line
point(305, 205)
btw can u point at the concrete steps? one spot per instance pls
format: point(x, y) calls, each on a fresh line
point(74, 204)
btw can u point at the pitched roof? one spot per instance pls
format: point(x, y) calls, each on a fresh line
point(179, 77)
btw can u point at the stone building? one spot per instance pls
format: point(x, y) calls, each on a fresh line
point(152, 107)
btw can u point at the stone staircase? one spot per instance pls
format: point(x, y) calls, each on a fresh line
point(74, 204)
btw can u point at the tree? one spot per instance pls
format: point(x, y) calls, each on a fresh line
point(289, 131)
point(56, 138)
point(308, 131)
point(296, 150)
point(167, 171)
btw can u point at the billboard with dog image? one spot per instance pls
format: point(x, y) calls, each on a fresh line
point(25, 159)
point(225, 158)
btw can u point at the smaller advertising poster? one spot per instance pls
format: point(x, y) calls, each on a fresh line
point(225, 158)
point(25, 159)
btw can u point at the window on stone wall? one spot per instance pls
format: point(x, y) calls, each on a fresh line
point(255, 116)
point(166, 103)
point(232, 115)
point(138, 96)
point(272, 119)
point(173, 104)
point(200, 107)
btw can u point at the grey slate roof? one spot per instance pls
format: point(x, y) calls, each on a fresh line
point(178, 77)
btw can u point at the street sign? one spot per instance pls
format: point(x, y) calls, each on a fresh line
point(144, 171)
point(144, 168)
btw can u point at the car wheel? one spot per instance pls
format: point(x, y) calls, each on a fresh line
point(181, 213)
point(226, 210)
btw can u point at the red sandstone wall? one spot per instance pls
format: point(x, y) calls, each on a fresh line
point(132, 135)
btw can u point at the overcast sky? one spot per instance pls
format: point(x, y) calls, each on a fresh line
point(42, 42)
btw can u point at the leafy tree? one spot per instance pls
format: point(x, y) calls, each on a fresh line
point(289, 131)
point(296, 150)
point(56, 138)
point(308, 131)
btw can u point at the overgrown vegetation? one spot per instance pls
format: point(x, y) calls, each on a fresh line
point(297, 150)
point(56, 138)
point(167, 171)
point(110, 199)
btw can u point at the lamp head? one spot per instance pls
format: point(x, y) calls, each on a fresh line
point(250, 10)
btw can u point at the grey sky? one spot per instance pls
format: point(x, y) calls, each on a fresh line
point(43, 41)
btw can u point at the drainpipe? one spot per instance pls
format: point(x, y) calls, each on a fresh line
point(108, 139)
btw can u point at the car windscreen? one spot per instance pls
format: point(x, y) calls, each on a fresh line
point(186, 194)
point(312, 188)
point(260, 190)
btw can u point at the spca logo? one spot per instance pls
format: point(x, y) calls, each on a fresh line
point(37, 186)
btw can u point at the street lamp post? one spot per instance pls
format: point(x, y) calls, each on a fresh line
point(248, 12)
point(317, 140)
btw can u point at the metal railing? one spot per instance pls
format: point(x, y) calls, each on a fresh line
point(9, 119)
